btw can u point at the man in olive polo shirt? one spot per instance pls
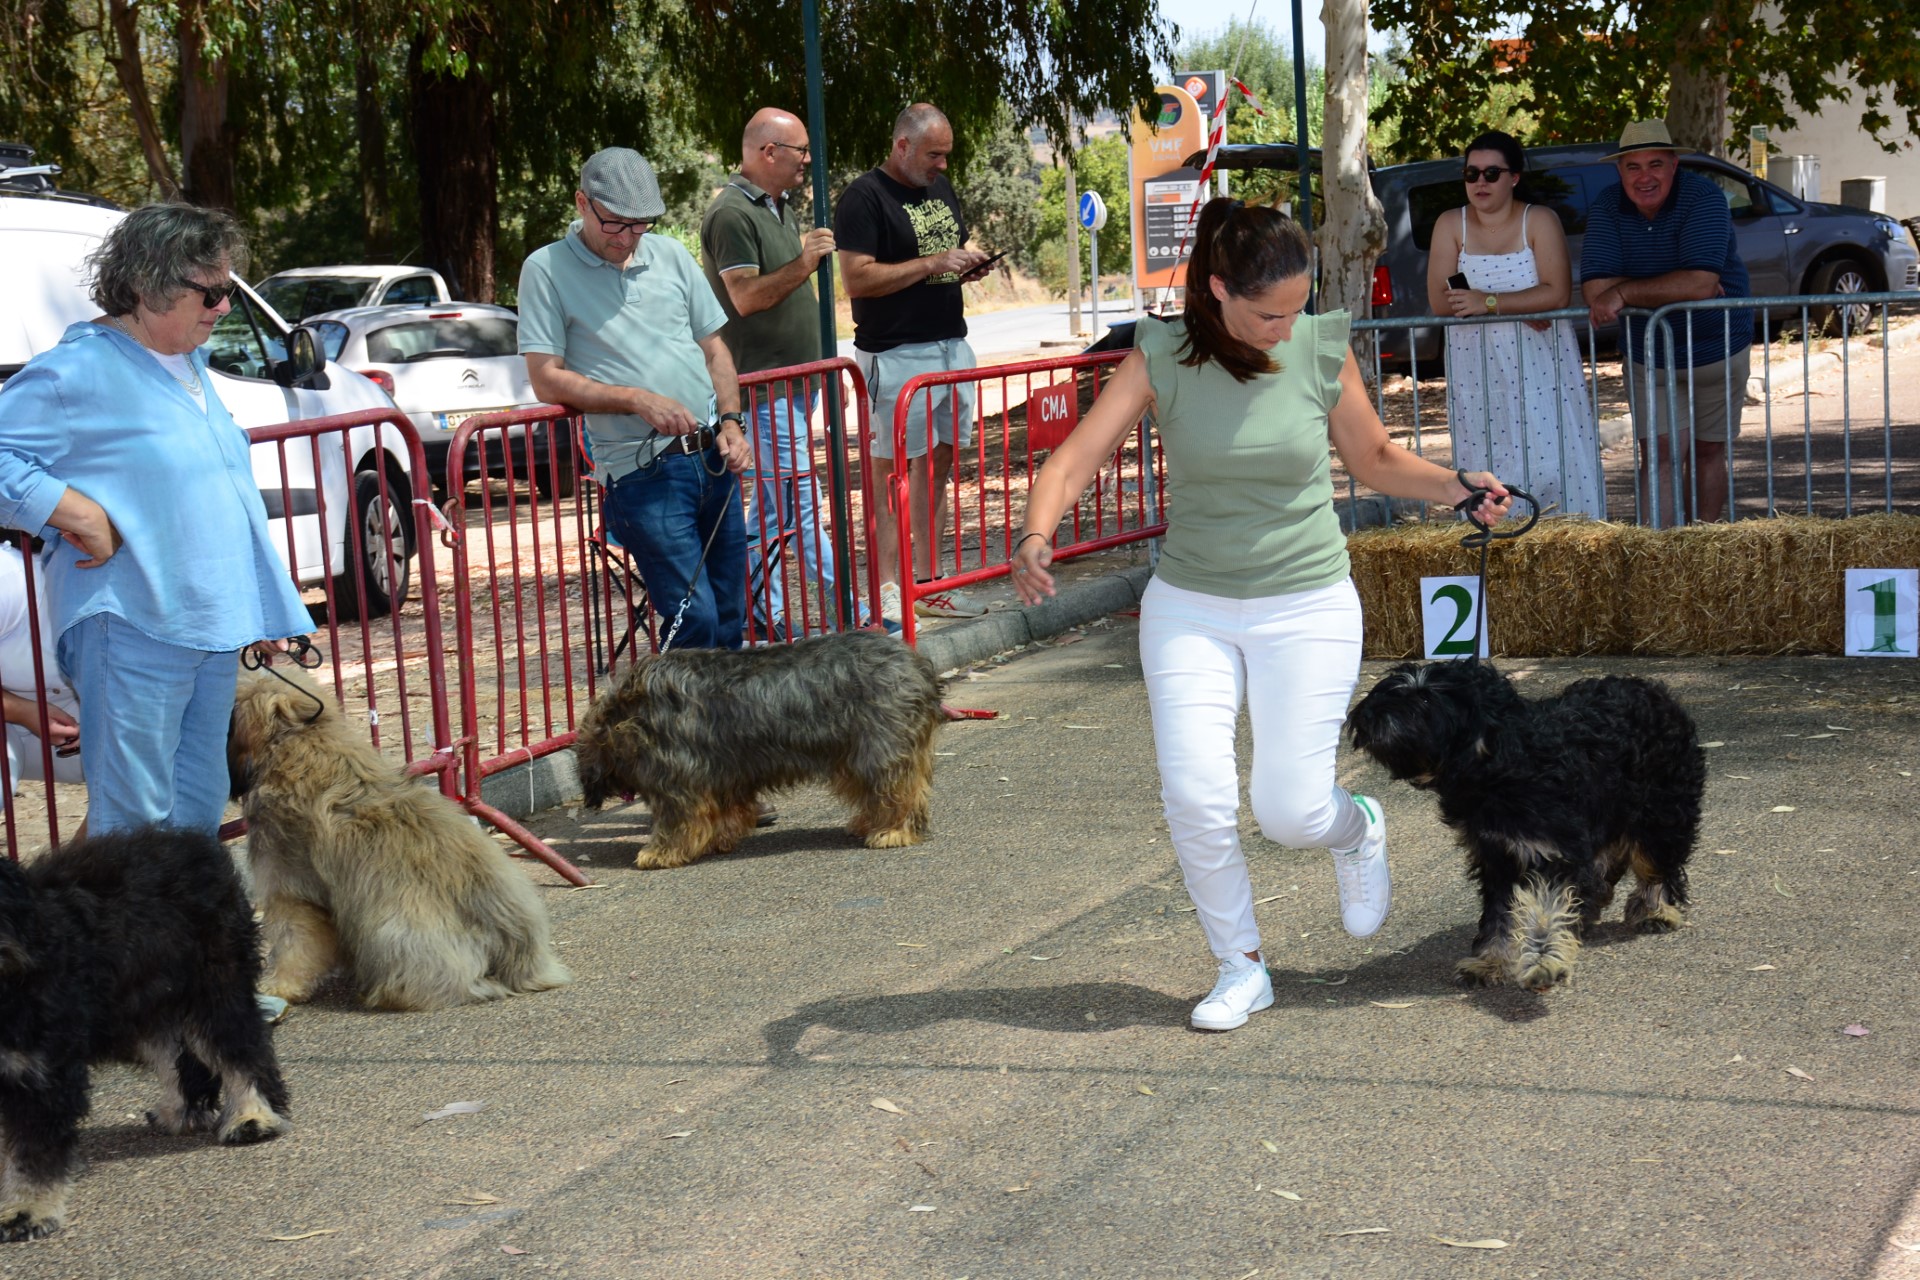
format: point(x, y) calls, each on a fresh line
point(619, 325)
point(761, 268)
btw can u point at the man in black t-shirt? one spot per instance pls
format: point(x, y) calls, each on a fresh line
point(901, 239)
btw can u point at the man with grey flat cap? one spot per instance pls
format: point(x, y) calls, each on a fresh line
point(1665, 234)
point(622, 326)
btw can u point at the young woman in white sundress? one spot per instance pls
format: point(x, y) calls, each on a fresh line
point(1516, 393)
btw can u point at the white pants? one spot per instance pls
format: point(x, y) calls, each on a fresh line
point(1295, 660)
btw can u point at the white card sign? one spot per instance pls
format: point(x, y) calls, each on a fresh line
point(1450, 617)
point(1883, 613)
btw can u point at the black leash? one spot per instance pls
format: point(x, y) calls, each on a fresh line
point(303, 653)
point(693, 583)
point(1484, 540)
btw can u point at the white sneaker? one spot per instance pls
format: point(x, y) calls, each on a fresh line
point(1244, 988)
point(1365, 893)
point(947, 604)
point(890, 603)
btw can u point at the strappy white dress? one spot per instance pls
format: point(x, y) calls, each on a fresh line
point(1517, 398)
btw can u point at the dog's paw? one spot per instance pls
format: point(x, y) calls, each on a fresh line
point(183, 1120)
point(1481, 971)
point(1664, 918)
point(896, 838)
point(23, 1225)
point(1545, 972)
point(255, 1126)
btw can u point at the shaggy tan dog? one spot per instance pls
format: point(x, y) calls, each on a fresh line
point(356, 865)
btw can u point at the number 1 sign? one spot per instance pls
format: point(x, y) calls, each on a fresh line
point(1450, 617)
point(1881, 613)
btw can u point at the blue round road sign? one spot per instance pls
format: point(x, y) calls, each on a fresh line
point(1093, 211)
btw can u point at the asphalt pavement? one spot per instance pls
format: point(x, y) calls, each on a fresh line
point(971, 1059)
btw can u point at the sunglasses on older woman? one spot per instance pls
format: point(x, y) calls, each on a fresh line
point(210, 294)
point(1492, 173)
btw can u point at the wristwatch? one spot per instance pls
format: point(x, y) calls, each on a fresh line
point(1493, 302)
point(734, 417)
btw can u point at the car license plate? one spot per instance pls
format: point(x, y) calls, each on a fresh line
point(452, 421)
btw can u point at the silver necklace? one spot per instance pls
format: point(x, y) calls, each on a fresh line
point(192, 385)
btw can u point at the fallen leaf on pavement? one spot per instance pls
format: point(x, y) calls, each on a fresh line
point(1781, 808)
point(684, 1133)
point(1391, 1004)
point(882, 1104)
point(1798, 1073)
point(1777, 889)
point(1358, 1231)
point(1284, 1195)
point(1025, 1186)
point(1142, 1088)
point(1713, 744)
point(1760, 968)
point(1269, 1145)
point(917, 946)
point(513, 1251)
point(453, 1109)
point(1471, 1244)
point(306, 1235)
point(1855, 1029)
point(476, 1199)
point(920, 1208)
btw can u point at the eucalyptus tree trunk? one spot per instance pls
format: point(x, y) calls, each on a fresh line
point(455, 147)
point(123, 19)
point(1355, 233)
point(207, 141)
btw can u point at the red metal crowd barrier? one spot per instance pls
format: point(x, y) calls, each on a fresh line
point(1019, 411)
point(345, 510)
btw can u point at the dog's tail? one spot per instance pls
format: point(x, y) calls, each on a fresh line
point(1546, 938)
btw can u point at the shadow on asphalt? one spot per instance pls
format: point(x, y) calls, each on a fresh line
point(1076, 1006)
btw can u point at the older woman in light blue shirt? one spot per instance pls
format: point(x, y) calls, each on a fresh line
point(114, 446)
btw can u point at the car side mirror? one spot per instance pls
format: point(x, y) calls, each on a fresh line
point(306, 362)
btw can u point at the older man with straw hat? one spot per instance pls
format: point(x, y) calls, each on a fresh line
point(1666, 235)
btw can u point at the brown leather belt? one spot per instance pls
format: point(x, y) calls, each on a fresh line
point(692, 442)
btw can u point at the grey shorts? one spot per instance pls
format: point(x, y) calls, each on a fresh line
point(1706, 401)
point(951, 408)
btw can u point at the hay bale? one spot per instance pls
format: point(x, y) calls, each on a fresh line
point(1560, 590)
point(1759, 586)
point(1576, 586)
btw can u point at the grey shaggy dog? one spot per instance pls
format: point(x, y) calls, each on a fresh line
point(701, 734)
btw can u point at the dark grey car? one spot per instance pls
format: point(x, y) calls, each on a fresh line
point(1790, 246)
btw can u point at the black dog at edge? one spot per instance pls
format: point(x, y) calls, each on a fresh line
point(141, 947)
point(1553, 798)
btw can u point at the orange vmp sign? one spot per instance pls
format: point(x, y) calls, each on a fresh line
point(1163, 169)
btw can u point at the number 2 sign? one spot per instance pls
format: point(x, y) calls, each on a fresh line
point(1450, 617)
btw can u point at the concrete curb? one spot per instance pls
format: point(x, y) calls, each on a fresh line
point(980, 638)
point(554, 780)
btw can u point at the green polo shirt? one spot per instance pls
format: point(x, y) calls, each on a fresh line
point(747, 227)
point(634, 326)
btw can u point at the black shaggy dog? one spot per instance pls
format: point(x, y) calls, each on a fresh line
point(1554, 798)
point(139, 947)
point(701, 734)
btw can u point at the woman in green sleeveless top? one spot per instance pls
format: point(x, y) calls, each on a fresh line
point(1252, 600)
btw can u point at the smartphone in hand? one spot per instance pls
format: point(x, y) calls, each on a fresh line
point(981, 270)
point(1458, 280)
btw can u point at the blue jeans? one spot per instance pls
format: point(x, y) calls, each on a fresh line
point(153, 726)
point(786, 498)
point(663, 515)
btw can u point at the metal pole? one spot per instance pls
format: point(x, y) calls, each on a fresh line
point(1073, 238)
point(829, 339)
point(1093, 240)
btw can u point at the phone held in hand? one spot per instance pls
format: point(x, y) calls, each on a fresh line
point(1458, 280)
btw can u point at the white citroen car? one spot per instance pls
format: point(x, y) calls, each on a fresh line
point(45, 237)
point(442, 364)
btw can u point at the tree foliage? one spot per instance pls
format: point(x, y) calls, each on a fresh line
point(1051, 62)
point(1099, 166)
point(1000, 193)
point(1588, 67)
